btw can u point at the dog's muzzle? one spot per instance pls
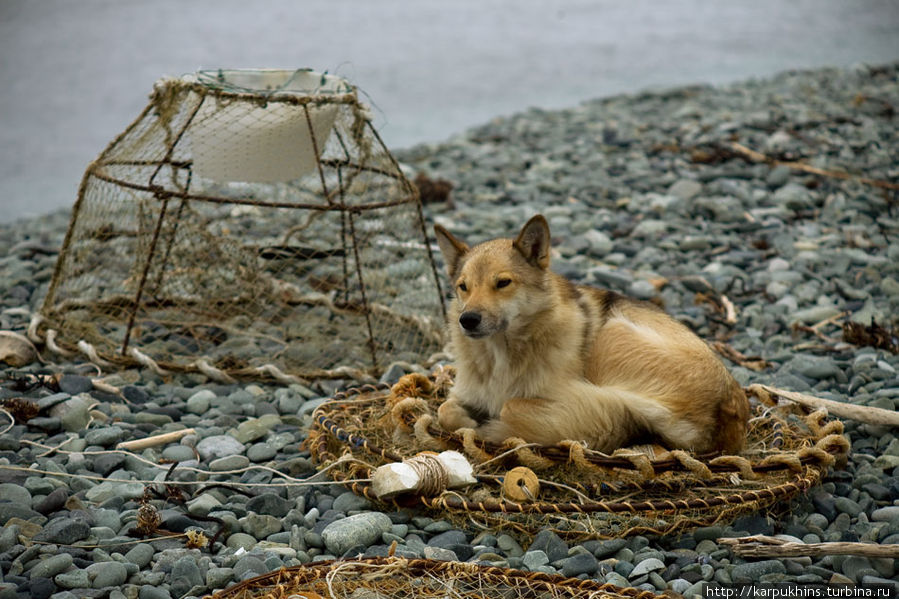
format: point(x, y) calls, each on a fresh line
point(470, 321)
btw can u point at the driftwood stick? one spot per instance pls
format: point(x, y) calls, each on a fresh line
point(807, 168)
point(864, 414)
point(765, 546)
point(162, 439)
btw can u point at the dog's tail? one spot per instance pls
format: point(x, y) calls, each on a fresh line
point(733, 417)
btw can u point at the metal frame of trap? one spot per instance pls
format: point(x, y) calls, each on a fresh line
point(175, 199)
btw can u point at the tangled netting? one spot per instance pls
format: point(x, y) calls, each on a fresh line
point(583, 493)
point(396, 578)
point(248, 223)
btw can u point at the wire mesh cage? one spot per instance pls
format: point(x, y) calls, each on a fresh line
point(580, 493)
point(250, 222)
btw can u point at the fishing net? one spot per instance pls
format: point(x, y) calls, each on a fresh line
point(396, 578)
point(582, 493)
point(247, 222)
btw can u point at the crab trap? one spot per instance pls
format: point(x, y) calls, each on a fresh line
point(397, 578)
point(249, 223)
point(578, 493)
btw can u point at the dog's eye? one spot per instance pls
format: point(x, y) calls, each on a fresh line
point(462, 287)
point(503, 283)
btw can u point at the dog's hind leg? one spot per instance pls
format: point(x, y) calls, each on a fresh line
point(605, 417)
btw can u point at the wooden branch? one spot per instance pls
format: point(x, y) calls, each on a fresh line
point(765, 546)
point(865, 414)
point(162, 439)
point(807, 168)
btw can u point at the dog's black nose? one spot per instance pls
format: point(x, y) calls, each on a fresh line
point(470, 320)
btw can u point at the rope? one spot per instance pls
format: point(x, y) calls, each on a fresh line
point(789, 460)
point(407, 407)
point(279, 375)
point(692, 464)
point(410, 385)
point(577, 455)
point(33, 324)
point(813, 421)
point(106, 387)
point(213, 372)
point(147, 361)
point(471, 448)
point(738, 462)
point(433, 476)
point(641, 462)
point(91, 352)
point(12, 421)
point(526, 456)
point(424, 436)
point(51, 344)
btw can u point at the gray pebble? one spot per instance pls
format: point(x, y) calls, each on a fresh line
point(259, 525)
point(185, 575)
point(360, 529)
point(646, 566)
point(74, 384)
point(15, 494)
point(608, 547)
point(248, 566)
point(270, 504)
point(199, 402)
point(51, 566)
point(107, 574)
point(64, 531)
point(889, 513)
point(72, 413)
point(219, 446)
point(685, 189)
point(241, 540)
point(440, 554)
point(73, 579)
point(534, 558)
point(109, 489)
point(231, 462)
point(140, 554)
point(179, 453)
point(153, 592)
point(753, 571)
point(814, 367)
point(261, 452)
point(217, 578)
point(350, 502)
point(583, 563)
point(105, 436)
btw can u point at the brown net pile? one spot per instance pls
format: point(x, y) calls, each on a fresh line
point(395, 578)
point(582, 493)
point(251, 222)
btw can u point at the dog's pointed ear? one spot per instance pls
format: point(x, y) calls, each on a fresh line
point(533, 242)
point(451, 248)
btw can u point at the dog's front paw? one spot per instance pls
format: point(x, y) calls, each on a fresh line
point(494, 431)
point(453, 415)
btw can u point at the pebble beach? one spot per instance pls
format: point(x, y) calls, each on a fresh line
point(778, 193)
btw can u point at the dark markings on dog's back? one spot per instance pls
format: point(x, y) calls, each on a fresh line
point(586, 308)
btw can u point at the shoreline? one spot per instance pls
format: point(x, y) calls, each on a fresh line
point(645, 195)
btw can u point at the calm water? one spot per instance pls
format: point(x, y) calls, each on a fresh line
point(74, 74)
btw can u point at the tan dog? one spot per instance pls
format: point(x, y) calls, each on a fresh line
point(540, 358)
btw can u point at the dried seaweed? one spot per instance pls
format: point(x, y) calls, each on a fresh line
point(21, 409)
point(433, 191)
point(873, 335)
